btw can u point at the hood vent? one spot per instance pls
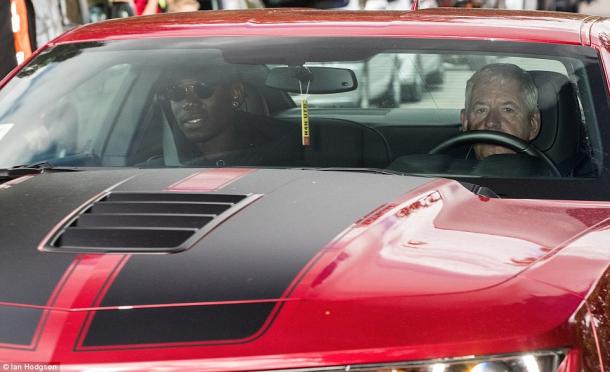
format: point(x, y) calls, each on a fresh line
point(124, 222)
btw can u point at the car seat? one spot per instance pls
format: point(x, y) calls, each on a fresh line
point(561, 127)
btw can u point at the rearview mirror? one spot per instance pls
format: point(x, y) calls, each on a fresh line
point(321, 80)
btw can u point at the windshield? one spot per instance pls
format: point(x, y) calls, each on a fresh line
point(529, 111)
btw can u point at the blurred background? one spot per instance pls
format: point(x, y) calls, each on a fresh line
point(599, 7)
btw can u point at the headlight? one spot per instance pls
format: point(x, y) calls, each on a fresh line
point(543, 361)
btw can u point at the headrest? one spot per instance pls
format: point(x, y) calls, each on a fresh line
point(561, 122)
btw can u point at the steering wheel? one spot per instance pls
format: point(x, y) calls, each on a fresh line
point(496, 138)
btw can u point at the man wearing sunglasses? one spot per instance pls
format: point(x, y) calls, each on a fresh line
point(208, 113)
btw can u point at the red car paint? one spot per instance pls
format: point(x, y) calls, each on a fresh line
point(427, 23)
point(407, 297)
point(500, 303)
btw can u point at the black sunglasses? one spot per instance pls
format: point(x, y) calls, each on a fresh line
point(177, 93)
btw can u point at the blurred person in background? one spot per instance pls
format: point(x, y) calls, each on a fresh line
point(100, 10)
point(8, 58)
point(176, 6)
point(49, 20)
point(18, 27)
point(232, 4)
point(561, 5)
point(23, 20)
point(148, 7)
point(122, 9)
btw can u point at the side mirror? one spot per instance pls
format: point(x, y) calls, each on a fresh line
point(321, 80)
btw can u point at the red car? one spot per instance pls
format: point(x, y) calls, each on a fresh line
point(171, 201)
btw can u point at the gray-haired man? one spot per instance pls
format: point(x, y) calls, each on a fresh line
point(501, 97)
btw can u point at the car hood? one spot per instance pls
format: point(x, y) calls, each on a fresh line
point(308, 236)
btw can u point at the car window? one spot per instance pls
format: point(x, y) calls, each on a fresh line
point(66, 123)
point(93, 101)
point(166, 103)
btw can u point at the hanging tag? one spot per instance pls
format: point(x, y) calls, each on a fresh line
point(304, 113)
point(305, 121)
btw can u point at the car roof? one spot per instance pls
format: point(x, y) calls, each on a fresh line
point(444, 23)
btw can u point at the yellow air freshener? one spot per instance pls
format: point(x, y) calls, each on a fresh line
point(305, 122)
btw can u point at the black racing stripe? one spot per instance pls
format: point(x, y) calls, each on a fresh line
point(27, 320)
point(18, 325)
point(31, 210)
point(257, 253)
point(176, 324)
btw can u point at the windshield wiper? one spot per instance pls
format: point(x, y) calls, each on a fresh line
point(34, 168)
point(360, 170)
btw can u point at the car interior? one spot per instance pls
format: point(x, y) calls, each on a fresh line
point(387, 139)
